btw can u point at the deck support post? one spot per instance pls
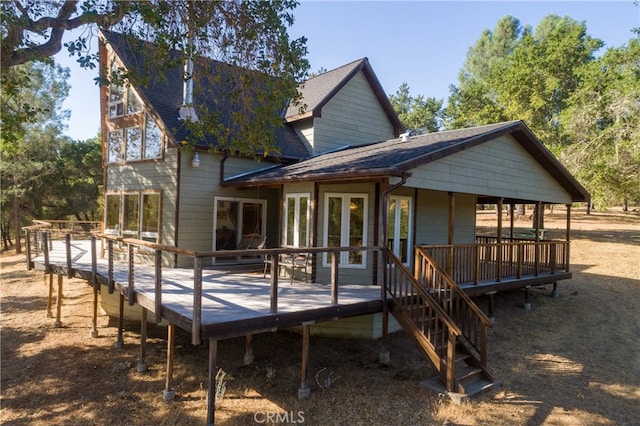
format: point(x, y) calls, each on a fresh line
point(273, 290)
point(568, 238)
point(211, 392)
point(169, 394)
point(142, 363)
point(305, 391)
point(119, 341)
point(555, 293)
point(50, 299)
point(95, 285)
point(492, 306)
point(499, 241)
point(67, 240)
point(335, 258)
point(58, 323)
point(384, 355)
point(527, 302)
point(248, 352)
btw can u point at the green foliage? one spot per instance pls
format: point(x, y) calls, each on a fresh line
point(420, 114)
point(250, 35)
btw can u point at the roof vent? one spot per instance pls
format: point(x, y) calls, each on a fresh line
point(405, 136)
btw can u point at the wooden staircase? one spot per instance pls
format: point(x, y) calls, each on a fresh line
point(450, 328)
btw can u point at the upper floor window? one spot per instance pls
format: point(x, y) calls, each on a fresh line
point(122, 100)
point(135, 143)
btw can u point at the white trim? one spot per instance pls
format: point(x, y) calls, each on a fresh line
point(296, 218)
point(345, 232)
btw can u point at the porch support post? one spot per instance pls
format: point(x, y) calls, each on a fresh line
point(248, 351)
point(59, 303)
point(169, 394)
point(527, 301)
point(96, 286)
point(567, 258)
point(492, 305)
point(335, 256)
point(119, 341)
point(211, 392)
point(305, 391)
point(452, 204)
point(50, 299)
point(499, 241)
point(538, 216)
point(384, 211)
point(511, 220)
point(142, 363)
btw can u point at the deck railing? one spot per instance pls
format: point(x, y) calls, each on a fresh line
point(160, 253)
point(422, 315)
point(473, 323)
point(492, 261)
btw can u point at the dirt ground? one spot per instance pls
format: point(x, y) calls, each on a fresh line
point(574, 360)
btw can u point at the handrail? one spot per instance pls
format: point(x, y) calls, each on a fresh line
point(457, 304)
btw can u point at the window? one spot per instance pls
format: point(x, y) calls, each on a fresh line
point(132, 144)
point(133, 215)
point(119, 96)
point(116, 101)
point(112, 215)
point(152, 139)
point(130, 216)
point(399, 228)
point(133, 102)
point(345, 225)
point(235, 218)
point(297, 220)
point(150, 217)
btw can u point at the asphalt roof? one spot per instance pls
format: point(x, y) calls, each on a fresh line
point(395, 157)
point(164, 94)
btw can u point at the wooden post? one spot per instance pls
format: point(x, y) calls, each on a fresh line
point(499, 241)
point(211, 392)
point(476, 264)
point(27, 238)
point(511, 220)
point(67, 240)
point(119, 341)
point(59, 303)
point(450, 232)
point(538, 216)
point(50, 299)
point(95, 285)
point(386, 270)
point(335, 256)
point(142, 363)
point(110, 267)
point(451, 360)
point(130, 292)
point(273, 292)
point(305, 391)
point(567, 258)
point(248, 352)
point(492, 305)
point(45, 247)
point(197, 300)
point(169, 394)
point(158, 288)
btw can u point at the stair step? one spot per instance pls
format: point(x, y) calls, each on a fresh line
point(467, 375)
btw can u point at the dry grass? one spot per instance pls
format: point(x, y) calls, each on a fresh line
point(572, 360)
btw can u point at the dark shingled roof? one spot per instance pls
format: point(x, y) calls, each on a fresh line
point(164, 95)
point(395, 157)
point(318, 90)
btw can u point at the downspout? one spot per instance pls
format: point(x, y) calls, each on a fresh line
point(224, 159)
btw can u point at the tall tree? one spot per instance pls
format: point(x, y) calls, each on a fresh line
point(602, 124)
point(530, 76)
point(420, 114)
point(250, 35)
point(29, 144)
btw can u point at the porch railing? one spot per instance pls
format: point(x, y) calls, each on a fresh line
point(492, 261)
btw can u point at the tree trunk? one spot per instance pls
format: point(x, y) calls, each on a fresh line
point(16, 219)
point(625, 204)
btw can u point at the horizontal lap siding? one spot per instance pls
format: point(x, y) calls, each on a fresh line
point(500, 167)
point(432, 222)
point(150, 176)
point(352, 117)
point(198, 188)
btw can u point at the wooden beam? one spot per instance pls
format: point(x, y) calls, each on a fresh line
point(335, 257)
point(197, 301)
point(211, 392)
point(273, 291)
point(305, 391)
point(142, 363)
point(119, 341)
point(50, 299)
point(59, 302)
point(158, 286)
point(169, 394)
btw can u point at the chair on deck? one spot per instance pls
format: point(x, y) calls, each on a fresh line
point(299, 261)
point(252, 242)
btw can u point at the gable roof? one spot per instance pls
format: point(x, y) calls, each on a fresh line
point(164, 95)
point(395, 157)
point(319, 90)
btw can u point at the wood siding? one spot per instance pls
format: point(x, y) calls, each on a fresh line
point(497, 168)
point(304, 130)
point(352, 117)
point(432, 221)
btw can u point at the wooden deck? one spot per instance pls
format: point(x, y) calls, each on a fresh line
point(233, 303)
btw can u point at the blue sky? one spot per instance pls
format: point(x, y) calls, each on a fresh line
point(423, 43)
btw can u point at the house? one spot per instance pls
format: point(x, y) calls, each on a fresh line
point(346, 175)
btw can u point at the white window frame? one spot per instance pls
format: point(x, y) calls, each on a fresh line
point(345, 231)
point(241, 201)
point(396, 233)
point(296, 218)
